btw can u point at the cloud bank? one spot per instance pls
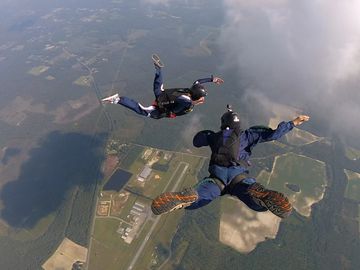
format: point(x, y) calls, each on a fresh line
point(304, 53)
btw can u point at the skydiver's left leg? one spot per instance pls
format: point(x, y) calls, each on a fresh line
point(260, 199)
point(149, 111)
point(240, 191)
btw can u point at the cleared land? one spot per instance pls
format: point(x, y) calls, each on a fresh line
point(73, 110)
point(352, 191)
point(280, 112)
point(352, 153)
point(16, 111)
point(242, 229)
point(299, 137)
point(65, 256)
point(307, 173)
point(83, 81)
point(36, 71)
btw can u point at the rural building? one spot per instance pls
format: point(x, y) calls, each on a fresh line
point(144, 174)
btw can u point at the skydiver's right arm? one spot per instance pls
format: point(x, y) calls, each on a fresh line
point(201, 138)
point(259, 135)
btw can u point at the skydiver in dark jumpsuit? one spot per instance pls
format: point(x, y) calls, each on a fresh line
point(231, 149)
point(168, 102)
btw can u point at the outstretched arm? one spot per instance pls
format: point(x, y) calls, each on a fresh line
point(213, 79)
point(263, 134)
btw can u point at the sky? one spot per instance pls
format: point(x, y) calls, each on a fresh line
point(304, 53)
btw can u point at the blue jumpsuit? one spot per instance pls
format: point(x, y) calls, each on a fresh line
point(182, 104)
point(208, 190)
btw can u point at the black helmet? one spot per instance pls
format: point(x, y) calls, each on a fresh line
point(197, 91)
point(230, 119)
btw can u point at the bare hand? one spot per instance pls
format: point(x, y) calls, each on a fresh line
point(199, 101)
point(301, 119)
point(218, 80)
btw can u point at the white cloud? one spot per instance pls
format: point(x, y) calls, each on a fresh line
point(157, 2)
point(194, 125)
point(301, 52)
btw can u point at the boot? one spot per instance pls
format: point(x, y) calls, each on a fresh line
point(114, 99)
point(157, 61)
point(274, 201)
point(170, 201)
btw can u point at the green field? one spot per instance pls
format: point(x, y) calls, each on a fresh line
point(352, 153)
point(307, 173)
point(299, 137)
point(36, 71)
point(109, 250)
point(39, 229)
point(352, 191)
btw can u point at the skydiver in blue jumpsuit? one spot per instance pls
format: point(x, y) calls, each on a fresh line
point(168, 102)
point(231, 149)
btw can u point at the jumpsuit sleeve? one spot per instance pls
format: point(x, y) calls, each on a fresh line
point(205, 80)
point(263, 134)
point(202, 138)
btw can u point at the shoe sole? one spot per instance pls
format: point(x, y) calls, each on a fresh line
point(275, 201)
point(170, 201)
point(110, 99)
point(157, 60)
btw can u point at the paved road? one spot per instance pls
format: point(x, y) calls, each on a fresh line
point(157, 219)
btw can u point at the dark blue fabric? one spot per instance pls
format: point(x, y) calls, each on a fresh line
point(181, 104)
point(135, 106)
point(240, 191)
point(226, 174)
point(158, 82)
point(207, 192)
point(205, 80)
point(249, 138)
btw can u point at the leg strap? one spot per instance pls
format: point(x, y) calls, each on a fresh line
point(223, 188)
point(237, 179)
point(219, 183)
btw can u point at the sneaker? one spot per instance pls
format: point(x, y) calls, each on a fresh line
point(111, 99)
point(170, 201)
point(274, 201)
point(157, 61)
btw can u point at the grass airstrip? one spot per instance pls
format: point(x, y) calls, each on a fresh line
point(110, 244)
